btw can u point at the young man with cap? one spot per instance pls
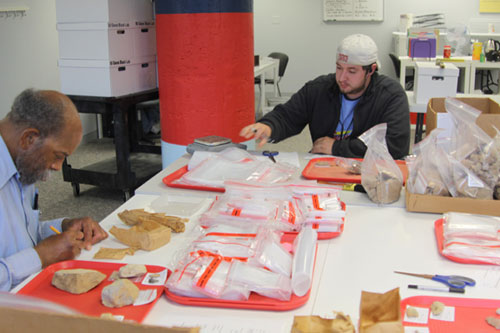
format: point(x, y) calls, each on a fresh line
point(341, 106)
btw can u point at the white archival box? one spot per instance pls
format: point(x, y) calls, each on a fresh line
point(433, 81)
point(107, 40)
point(107, 78)
point(103, 10)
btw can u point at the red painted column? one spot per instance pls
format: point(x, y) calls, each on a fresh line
point(205, 70)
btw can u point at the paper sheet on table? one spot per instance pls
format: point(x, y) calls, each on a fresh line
point(288, 157)
point(226, 325)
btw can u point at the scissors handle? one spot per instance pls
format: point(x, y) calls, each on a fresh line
point(270, 154)
point(455, 281)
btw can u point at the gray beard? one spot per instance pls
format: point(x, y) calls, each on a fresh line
point(31, 166)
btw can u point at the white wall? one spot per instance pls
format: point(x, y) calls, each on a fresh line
point(29, 45)
point(29, 50)
point(296, 27)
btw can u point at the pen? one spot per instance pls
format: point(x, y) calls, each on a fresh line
point(431, 288)
point(35, 200)
point(54, 229)
point(267, 139)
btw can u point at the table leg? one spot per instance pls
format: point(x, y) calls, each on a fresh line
point(419, 127)
point(262, 92)
point(122, 145)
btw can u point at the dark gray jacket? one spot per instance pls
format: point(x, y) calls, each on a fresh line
point(317, 104)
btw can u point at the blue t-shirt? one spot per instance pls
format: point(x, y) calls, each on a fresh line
point(344, 127)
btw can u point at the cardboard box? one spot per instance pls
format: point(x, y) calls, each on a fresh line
point(15, 320)
point(437, 117)
point(435, 204)
point(107, 78)
point(103, 10)
point(434, 81)
point(106, 41)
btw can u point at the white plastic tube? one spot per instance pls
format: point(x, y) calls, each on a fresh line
point(303, 260)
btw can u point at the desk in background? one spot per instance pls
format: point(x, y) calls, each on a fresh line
point(125, 172)
point(266, 65)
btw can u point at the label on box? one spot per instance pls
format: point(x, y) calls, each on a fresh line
point(118, 24)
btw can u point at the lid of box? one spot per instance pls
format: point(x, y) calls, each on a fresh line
point(104, 63)
point(430, 68)
point(104, 25)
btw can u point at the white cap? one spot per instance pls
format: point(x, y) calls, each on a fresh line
point(357, 49)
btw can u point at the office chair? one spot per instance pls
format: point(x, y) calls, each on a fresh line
point(397, 68)
point(283, 59)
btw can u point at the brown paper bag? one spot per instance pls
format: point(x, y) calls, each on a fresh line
point(116, 254)
point(134, 216)
point(380, 312)
point(147, 235)
point(316, 324)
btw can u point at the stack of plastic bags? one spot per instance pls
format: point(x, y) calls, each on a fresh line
point(228, 262)
point(235, 164)
point(465, 163)
point(472, 237)
point(244, 242)
point(285, 207)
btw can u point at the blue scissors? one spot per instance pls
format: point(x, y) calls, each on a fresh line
point(454, 281)
point(270, 154)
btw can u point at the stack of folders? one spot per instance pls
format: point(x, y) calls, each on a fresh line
point(429, 21)
point(422, 42)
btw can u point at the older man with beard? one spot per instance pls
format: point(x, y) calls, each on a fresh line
point(42, 128)
point(339, 107)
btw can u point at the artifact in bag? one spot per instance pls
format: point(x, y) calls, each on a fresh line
point(350, 164)
point(380, 175)
point(384, 187)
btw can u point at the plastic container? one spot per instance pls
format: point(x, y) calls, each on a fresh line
point(477, 49)
point(303, 260)
point(447, 51)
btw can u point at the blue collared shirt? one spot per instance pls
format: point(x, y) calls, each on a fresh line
point(20, 229)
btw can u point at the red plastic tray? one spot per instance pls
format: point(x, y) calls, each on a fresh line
point(170, 182)
point(171, 178)
point(88, 303)
point(335, 173)
point(438, 230)
point(255, 301)
point(470, 314)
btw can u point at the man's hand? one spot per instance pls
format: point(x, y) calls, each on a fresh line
point(259, 131)
point(92, 231)
point(60, 247)
point(323, 145)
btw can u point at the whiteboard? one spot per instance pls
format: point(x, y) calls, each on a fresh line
point(353, 10)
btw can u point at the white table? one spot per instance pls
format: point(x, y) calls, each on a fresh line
point(376, 241)
point(266, 65)
point(169, 313)
point(156, 186)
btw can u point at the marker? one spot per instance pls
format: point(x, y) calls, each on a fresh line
point(54, 229)
point(267, 139)
point(443, 289)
